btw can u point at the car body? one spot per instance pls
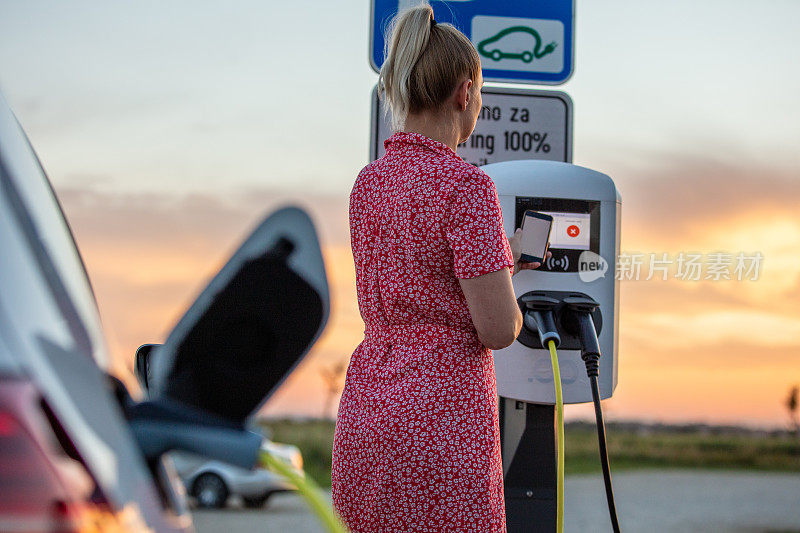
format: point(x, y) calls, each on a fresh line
point(66, 439)
point(77, 453)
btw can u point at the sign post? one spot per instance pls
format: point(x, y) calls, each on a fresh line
point(520, 41)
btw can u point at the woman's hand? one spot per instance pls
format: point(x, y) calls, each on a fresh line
point(516, 252)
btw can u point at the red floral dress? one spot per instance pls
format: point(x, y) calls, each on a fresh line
point(417, 443)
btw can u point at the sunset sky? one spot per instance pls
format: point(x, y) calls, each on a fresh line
point(169, 129)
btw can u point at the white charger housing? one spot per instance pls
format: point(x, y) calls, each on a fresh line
point(584, 241)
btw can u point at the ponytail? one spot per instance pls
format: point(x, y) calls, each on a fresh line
point(424, 63)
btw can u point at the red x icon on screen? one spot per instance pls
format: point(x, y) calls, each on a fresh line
point(573, 231)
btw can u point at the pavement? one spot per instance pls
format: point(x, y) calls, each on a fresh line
point(686, 501)
point(647, 501)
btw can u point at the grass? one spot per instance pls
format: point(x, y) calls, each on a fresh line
point(630, 446)
point(677, 448)
point(315, 440)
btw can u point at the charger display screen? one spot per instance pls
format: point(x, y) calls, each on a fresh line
point(575, 229)
point(570, 231)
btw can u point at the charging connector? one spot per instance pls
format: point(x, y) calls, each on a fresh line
point(538, 316)
point(578, 321)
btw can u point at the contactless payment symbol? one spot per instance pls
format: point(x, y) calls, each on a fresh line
point(557, 262)
point(573, 231)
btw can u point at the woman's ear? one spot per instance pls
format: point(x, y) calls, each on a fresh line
point(462, 94)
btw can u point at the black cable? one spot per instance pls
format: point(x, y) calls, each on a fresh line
point(579, 322)
point(601, 437)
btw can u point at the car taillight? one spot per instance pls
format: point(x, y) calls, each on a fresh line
point(31, 498)
point(41, 489)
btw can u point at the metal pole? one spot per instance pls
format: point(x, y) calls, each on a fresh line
point(528, 439)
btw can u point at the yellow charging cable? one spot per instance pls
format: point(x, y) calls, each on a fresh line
point(309, 490)
point(560, 439)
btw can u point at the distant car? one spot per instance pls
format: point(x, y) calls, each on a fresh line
point(77, 453)
point(212, 483)
point(495, 49)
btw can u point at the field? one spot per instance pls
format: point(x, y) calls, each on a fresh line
point(630, 446)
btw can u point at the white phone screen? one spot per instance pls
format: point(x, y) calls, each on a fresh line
point(535, 232)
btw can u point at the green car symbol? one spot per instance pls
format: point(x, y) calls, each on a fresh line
point(527, 55)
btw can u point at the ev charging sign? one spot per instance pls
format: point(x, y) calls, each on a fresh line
point(519, 41)
point(513, 124)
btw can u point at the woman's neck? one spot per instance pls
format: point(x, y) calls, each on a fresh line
point(434, 126)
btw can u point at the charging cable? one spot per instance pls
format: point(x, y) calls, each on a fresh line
point(308, 489)
point(601, 438)
point(580, 321)
point(560, 439)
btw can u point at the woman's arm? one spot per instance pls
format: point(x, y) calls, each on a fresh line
point(492, 304)
point(493, 308)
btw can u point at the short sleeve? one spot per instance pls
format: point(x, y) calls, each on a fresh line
point(475, 228)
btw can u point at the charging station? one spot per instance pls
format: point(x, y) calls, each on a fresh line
point(577, 281)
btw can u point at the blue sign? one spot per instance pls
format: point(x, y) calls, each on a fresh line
point(522, 41)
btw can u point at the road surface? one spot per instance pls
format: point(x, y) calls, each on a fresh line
point(647, 501)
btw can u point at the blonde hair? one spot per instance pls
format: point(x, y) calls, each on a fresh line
point(424, 63)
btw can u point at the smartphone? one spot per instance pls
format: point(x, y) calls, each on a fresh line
point(535, 236)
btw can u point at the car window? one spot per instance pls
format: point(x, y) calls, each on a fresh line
point(26, 187)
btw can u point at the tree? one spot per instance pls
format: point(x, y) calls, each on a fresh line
point(791, 404)
point(333, 381)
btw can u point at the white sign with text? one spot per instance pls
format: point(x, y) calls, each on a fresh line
point(513, 124)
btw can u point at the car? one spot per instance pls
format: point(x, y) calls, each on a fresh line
point(77, 451)
point(212, 483)
point(490, 49)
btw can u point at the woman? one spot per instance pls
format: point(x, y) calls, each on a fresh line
point(417, 443)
